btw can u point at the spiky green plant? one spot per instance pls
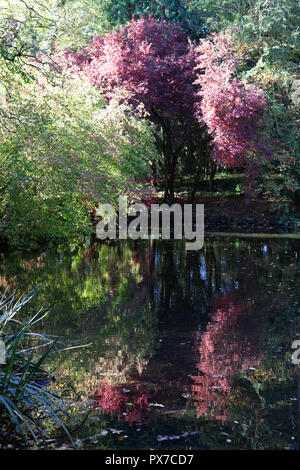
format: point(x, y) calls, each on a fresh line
point(26, 401)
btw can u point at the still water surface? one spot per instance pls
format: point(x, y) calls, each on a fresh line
point(189, 350)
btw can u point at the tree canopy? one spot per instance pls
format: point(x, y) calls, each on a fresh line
point(203, 84)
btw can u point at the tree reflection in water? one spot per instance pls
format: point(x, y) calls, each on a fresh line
point(131, 406)
point(225, 348)
point(176, 328)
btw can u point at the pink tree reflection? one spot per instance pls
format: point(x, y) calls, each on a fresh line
point(128, 405)
point(228, 345)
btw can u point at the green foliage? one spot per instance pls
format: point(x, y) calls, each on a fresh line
point(78, 21)
point(60, 24)
point(268, 41)
point(26, 401)
point(23, 30)
point(281, 181)
point(64, 152)
point(273, 22)
point(175, 11)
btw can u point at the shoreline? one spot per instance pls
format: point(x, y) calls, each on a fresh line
point(238, 214)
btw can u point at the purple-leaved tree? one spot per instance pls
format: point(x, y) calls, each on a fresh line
point(189, 91)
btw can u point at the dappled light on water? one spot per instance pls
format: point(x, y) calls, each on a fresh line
point(186, 349)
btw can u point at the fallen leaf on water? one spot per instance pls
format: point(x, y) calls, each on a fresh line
point(162, 438)
point(115, 431)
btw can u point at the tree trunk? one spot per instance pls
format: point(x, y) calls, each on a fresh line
point(213, 169)
point(196, 183)
point(169, 181)
point(169, 189)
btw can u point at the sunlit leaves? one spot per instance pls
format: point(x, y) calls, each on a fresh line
point(229, 107)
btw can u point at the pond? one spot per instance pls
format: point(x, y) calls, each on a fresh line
point(186, 349)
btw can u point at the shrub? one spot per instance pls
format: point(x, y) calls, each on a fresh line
point(26, 402)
